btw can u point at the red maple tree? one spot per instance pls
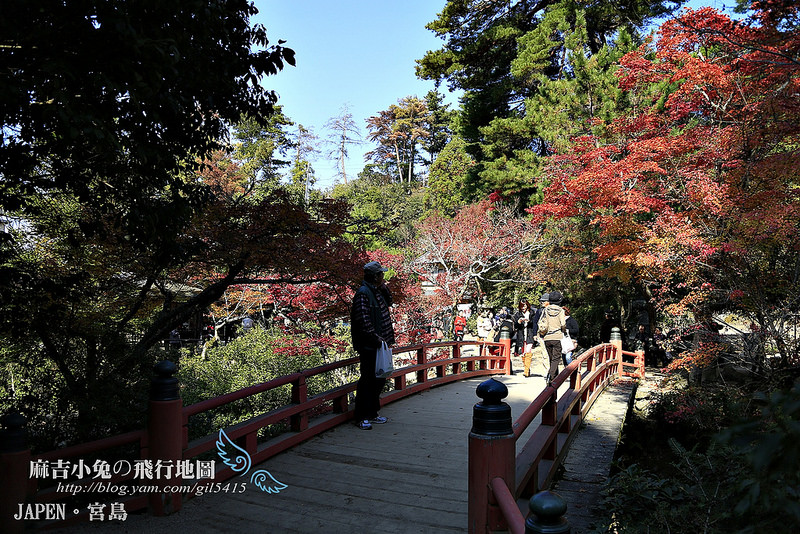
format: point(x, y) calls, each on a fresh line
point(694, 192)
point(484, 243)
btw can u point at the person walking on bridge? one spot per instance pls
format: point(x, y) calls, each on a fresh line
point(459, 327)
point(552, 326)
point(525, 324)
point(371, 324)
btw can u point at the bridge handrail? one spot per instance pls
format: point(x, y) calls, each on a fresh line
point(560, 415)
point(508, 506)
point(534, 408)
point(222, 400)
point(513, 476)
point(216, 402)
point(492, 358)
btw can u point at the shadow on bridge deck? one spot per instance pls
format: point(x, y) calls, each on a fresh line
point(409, 475)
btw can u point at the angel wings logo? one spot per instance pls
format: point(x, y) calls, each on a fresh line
point(241, 463)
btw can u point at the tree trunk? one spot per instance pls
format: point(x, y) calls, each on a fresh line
point(399, 163)
point(411, 164)
point(341, 162)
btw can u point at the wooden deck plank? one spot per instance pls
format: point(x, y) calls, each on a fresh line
point(407, 476)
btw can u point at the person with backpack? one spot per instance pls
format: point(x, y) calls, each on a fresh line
point(552, 326)
point(572, 330)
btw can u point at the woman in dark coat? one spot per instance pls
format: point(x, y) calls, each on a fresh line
point(525, 321)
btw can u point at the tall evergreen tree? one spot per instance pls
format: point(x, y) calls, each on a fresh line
point(447, 177)
point(572, 91)
point(398, 131)
point(483, 40)
point(263, 148)
point(440, 125)
point(302, 173)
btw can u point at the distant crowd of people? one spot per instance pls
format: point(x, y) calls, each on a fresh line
point(536, 333)
point(531, 346)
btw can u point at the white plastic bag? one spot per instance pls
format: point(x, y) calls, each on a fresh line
point(567, 345)
point(383, 361)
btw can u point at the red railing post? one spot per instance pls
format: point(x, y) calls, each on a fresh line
point(549, 415)
point(165, 435)
point(616, 341)
point(299, 422)
point(15, 458)
point(505, 341)
point(639, 363)
point(422, 376)
point(492, 454)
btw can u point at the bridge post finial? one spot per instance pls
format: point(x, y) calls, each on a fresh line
point(547, 514)
point(164, 386)
point(492, 416)
point(15, 458)
point(492, 454)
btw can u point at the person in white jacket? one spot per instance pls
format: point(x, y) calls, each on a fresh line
point(484, 325)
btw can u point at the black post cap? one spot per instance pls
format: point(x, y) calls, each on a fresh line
point(164, 386)
point(547, 514)
point(491, 416)
point(13, 437)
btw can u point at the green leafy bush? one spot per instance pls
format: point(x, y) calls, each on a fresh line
point(32, 385)
point(694, 499)
point(744, 478)
point(768, 443)
point(257, 357)
point(695, 414)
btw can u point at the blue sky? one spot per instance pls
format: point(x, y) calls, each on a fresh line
point(358, 53)
point(355, 52)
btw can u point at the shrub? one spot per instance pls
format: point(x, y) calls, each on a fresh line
point(254, 358)
point(767, 441)
point(695, 414)
point(742, 474)
point(694, 499)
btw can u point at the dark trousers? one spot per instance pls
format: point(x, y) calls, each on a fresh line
point(369, 387)
point(553, 349)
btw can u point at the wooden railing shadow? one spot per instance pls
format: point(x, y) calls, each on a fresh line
point(166, 438)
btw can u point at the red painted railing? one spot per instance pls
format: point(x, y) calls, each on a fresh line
point(166, 437)
point(499, 477)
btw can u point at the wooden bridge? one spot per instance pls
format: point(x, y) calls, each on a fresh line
point(421, 472)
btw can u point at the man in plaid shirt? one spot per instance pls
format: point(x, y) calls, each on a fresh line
point(370, 324)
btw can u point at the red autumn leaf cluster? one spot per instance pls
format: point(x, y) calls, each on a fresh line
point(482, 242)
point(694, 190)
